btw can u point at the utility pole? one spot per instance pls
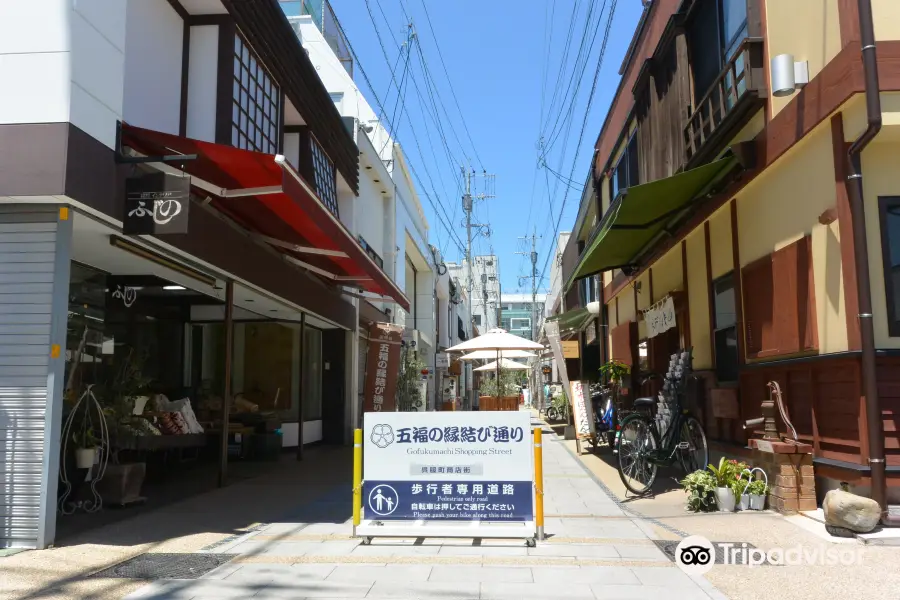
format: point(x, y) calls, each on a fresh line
point(468, 203)
point(534, 279)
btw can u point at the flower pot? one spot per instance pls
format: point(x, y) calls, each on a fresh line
point(84, 457)
point(744, 503)
point(757, 501)
point(121, 484)
point(725, 499)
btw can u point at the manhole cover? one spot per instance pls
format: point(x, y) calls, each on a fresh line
point(668, 548)
point(165, 566)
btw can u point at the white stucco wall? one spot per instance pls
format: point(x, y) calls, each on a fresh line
point(153, 53)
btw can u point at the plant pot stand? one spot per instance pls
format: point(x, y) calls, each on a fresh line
point(121, 485)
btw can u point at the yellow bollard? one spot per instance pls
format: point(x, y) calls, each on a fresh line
point(357, 477)
point(538, 484)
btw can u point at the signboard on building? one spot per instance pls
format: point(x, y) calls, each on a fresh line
point(582, 411)
point(570, 349)
point(450, 466)
point(442, 360)
point(156, 203)
point(660, 317)
point(546, 369)
point(382, 367)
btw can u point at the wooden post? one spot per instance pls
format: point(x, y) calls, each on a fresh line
point(300, 408)
point(226, 399)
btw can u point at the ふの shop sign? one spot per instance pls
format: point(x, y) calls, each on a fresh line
point(448, 466)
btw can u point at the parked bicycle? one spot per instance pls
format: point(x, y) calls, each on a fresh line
point(558, 409)
point(672, 436)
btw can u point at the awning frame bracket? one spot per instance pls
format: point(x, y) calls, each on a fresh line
point(125, 159)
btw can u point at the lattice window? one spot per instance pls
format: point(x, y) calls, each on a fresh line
point(256, 106)
point(324, 176)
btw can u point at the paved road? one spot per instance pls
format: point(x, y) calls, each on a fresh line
point(595, 550)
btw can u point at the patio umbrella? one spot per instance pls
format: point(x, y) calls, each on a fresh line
point(504, 363)
point(497, 340)
point(488, 355)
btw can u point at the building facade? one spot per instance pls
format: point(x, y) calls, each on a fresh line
point(522, 314)
point(485, 292)
point(746, 213)
point(174, 204)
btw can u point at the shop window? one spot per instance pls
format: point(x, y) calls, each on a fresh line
point(324, 176)
point(371, 252)
point(890, 249)
point(311, 395)
point(644, 356)
point(477, 319)
point(268, 368)
point(256, 109)
point(715, 33)
point(725, 329)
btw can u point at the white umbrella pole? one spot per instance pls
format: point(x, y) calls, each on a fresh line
point(498, 376)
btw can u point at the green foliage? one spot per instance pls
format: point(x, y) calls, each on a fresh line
point(84, 438)
point(701, 489)
point(728, 473)
point(408, 382)
point(509, 384)
point(614, 371)
point(757, 487)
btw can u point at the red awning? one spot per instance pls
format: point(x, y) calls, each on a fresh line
point(264, 194)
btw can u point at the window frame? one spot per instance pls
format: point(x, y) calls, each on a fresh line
point(528, 319)
point(885, 204)
point(629, 148)
point(718, 330)
point(257, 109)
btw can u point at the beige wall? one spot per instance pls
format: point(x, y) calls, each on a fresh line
point(667, 274)
point(698, 299)
point(720, 242)
point(808, 29)
point(886, 14)
point(881, 177)
point(626, 305)
point(783, 205)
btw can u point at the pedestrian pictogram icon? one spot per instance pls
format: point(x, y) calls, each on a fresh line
point(383, 500)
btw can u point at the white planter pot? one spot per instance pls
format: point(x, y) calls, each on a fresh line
point(744, 503)
point(84, 457)
point(725, 499)
point(757, 502)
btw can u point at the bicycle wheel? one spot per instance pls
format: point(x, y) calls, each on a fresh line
point(696, 455)
point(553, 414)
point(637, 441)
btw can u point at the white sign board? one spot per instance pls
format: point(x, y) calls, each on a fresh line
point(660, 317)
point(582, 410)
point(441, 360)
point(450, 466)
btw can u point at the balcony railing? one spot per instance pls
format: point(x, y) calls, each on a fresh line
point(742, 78)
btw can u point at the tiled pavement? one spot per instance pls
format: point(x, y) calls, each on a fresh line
point(595, 550)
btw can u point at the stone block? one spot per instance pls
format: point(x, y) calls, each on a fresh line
point(843, 509)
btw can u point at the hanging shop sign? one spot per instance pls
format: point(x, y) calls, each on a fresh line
point(448, 466)
point(660, 317)
point(382, 367)
point(156, 203)
point(124, 294)
point(582, 411)
point(546, 370)
point(570, 349)
point(442, 360)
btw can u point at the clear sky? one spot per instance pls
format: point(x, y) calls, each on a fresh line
point(483, 82)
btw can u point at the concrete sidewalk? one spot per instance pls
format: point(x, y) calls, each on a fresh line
point(594, 550)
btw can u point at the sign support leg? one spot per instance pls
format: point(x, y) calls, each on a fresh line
point(357, 477)
point(538, 484)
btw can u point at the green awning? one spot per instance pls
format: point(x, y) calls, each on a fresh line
point(572, 320)
point(638, 214)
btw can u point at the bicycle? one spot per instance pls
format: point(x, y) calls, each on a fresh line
point(646, 443)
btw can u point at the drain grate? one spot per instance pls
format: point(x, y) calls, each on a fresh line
point(153, 566)
point(668, 548)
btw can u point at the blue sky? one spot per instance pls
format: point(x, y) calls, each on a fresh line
point(494, 72)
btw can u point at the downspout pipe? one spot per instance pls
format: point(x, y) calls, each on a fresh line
point(860, 255)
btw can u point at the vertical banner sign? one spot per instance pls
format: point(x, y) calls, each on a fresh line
point(448, 466)
point(156, 203)
point(382, 367)
point(582, 411)
point(551, 328)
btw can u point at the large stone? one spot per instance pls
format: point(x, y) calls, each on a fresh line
point(843, 509)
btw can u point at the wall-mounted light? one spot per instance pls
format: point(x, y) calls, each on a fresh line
point(787, 75)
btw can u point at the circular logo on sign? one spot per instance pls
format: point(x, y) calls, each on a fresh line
point(383, 500)
point(382, 436)
point(695, 555)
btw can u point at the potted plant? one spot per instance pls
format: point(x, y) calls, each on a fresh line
point(757, 491)
point(740, 487)
point(726, 475)
point(85, 448)
point(615, 371)
point(701, 489)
